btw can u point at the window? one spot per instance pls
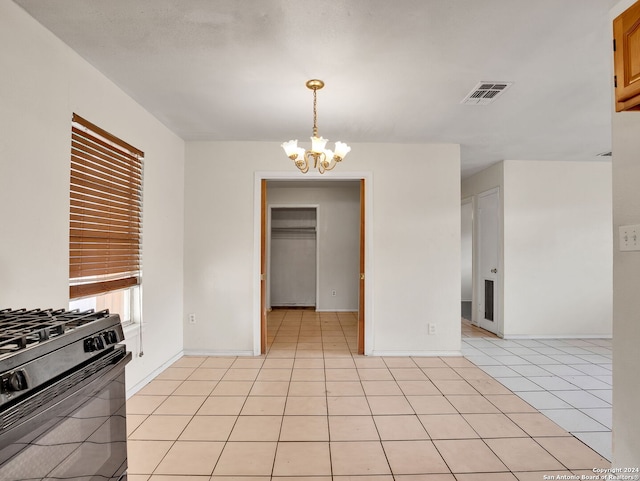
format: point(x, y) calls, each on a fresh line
point(105, 228)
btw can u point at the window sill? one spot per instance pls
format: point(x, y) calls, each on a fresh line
point(131, 329)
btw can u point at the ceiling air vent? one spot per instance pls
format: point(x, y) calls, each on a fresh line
point(486, 92)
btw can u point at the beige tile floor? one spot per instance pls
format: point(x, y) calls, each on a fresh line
point(568, 380)
point(313, 409)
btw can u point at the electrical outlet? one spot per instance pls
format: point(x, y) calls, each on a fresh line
point(431, 328)
point(630, 237)
point(333, 293)
point(192, 318)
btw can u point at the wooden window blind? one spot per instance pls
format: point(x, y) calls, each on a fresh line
point(105, 227)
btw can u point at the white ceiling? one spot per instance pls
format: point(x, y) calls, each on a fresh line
point(395, 71)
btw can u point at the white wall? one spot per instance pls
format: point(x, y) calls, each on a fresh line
point(626, 286)
point(414, 251)
point(557, 248)
point(483, 181)
point(43, 83)
point(338, 232)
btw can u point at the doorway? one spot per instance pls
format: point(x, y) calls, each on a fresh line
point(466, 259)
point(360, 258)
point(487, 279)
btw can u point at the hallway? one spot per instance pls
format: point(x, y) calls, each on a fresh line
point(311, 408)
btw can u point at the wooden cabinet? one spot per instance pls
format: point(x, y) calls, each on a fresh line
point(626, 41)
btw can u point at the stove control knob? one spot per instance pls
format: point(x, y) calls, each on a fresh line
point(93, 344)
point(98, 342)
point(18, 381)
point(113, 337)
point(110, 337)
point(89, 345)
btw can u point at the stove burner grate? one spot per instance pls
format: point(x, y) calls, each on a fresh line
point(22, 328)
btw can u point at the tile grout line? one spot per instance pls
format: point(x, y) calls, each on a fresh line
point(326, 396)
point(570, 407)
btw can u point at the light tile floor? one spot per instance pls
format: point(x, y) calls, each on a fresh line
point(311, 408)
point(568, 380)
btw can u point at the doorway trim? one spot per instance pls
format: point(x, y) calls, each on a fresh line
point(268, 242)
point(259, 178)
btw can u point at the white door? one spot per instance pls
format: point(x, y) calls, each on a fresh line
point(488, 260)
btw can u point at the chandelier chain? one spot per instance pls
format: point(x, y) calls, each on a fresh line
point(315, 113)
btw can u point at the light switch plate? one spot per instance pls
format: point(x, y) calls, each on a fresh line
point(629, 237)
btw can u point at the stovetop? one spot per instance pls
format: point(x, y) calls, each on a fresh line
point(40, 345)
point(22, 328)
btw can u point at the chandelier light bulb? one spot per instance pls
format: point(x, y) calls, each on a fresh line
point(342, 150)
point(317, 144)
point(290, 148)
point(328, 155)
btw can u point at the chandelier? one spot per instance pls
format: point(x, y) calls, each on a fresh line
point(323, 159)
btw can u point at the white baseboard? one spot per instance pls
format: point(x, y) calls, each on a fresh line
point(336, 310)
point(195, 352)
point(417, 353)
point(132, 390)
point(557, 336)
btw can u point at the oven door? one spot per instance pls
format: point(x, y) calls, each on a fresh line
point(73, 429)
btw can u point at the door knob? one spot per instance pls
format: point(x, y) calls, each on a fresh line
point(494, 270)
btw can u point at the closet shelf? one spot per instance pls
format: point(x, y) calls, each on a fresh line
point(293, 229)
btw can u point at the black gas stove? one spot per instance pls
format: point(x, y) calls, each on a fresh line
point(62, 379)
point(38, 345)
